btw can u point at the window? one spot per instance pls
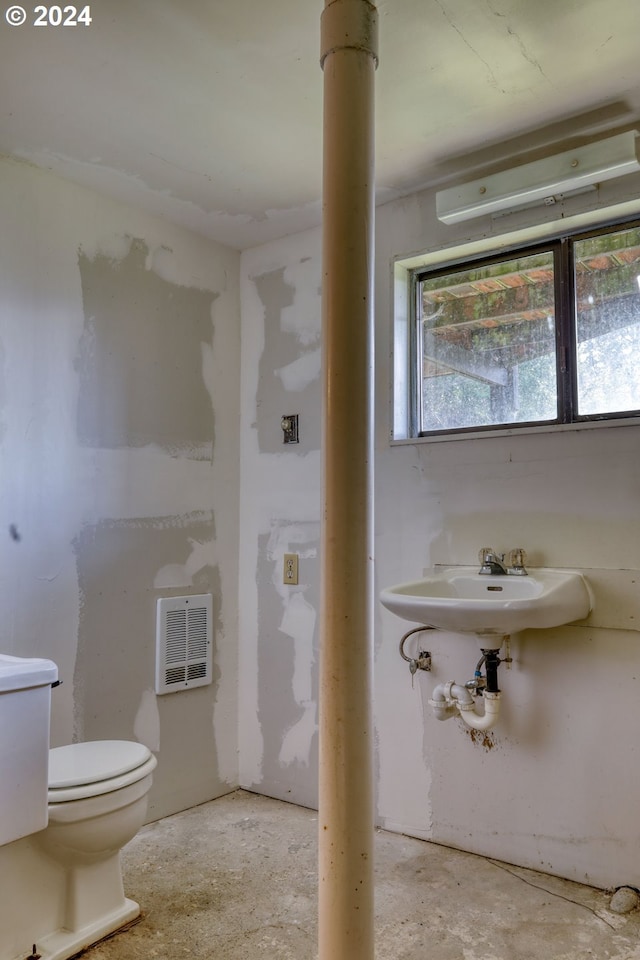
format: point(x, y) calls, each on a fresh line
point(543, 335)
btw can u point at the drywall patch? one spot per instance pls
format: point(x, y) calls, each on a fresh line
point(288, 662)
point(299, 374)
point(117, 563)
point(298, 622)
point(289, 375)
point(176, 575)
point(141, 357)
point(114, 246)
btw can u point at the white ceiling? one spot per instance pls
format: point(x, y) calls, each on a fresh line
point(209, 112)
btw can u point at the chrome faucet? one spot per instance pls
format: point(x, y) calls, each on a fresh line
point(491, 563)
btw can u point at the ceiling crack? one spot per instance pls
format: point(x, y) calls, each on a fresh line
point(493, 81)
point(526, 55)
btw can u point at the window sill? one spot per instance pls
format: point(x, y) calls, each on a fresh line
point(517, 431)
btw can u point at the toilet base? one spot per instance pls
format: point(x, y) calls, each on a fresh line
point(64, 943)
point(62, 887)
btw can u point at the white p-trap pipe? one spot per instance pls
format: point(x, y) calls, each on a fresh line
point(451, 699)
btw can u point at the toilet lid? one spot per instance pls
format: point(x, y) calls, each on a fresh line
point(93, 761)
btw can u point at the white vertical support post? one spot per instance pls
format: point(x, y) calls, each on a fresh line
point(346, 819)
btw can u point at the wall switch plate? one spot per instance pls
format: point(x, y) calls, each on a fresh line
point(290, 570)
point(289, 424)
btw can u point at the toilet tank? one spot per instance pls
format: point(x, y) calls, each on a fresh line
point(25, 707)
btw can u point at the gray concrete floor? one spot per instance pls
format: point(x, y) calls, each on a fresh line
point(235, 879)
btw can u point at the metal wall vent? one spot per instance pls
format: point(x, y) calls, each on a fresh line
point(184, 643)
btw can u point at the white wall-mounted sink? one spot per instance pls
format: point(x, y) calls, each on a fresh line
point(463, 601)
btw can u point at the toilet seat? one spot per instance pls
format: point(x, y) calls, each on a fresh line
point(92, 768)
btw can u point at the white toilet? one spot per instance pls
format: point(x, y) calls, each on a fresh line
point(95, 803)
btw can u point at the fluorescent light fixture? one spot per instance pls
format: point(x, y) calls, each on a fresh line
point(542, 181)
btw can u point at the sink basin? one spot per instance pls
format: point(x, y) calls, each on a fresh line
point(463, 601)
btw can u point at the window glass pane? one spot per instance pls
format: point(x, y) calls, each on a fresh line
point(607, 284)
point(487, 345)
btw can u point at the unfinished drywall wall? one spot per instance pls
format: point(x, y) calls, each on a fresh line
point(288, 662)
point(121, 345)
point(552, 785)
point(290, 361)
point(281, 514)
point(139, 356)
point(113, 681)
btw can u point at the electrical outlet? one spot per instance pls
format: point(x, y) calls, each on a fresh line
point(290, 571)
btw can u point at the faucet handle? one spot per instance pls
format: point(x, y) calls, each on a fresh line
point(517, 560)
point(485, 553)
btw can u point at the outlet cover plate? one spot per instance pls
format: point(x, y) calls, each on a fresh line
point(290, 569)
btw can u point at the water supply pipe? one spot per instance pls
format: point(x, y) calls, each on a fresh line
point(345, 819)
point(452, 700)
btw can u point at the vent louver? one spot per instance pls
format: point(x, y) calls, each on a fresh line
point(184, 643)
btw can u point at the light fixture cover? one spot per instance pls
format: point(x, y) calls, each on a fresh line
point(536, 182)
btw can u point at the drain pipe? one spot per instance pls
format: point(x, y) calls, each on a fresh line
point(345, 820)
point(453, 700)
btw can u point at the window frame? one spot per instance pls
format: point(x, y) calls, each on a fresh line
point(562, 245)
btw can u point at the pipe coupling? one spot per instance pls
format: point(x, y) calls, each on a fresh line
point(443, 709)
point(349, 25)
point(486, 720)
